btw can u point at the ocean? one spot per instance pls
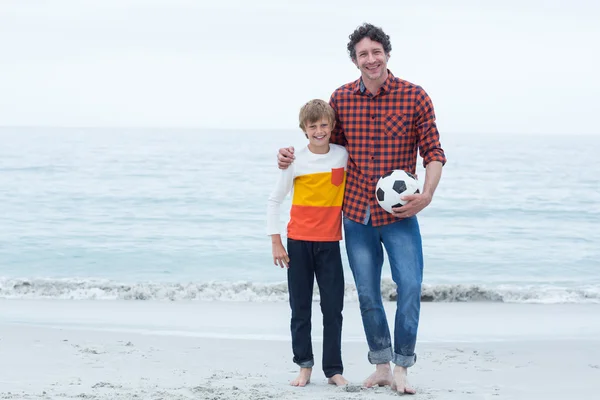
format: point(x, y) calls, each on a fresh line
point(174, 214)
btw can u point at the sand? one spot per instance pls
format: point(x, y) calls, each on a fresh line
point(62, 349)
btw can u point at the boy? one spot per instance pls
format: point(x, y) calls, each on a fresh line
point(318, 178)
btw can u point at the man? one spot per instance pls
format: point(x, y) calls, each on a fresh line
point(383, 121)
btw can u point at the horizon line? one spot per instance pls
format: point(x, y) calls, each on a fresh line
point(201, 128)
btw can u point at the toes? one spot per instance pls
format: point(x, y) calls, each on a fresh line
point(338, 382)
point(405, 389)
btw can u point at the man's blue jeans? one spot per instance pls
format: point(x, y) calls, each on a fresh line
point(402, 242)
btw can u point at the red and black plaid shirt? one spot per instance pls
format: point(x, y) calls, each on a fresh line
point(382, 132)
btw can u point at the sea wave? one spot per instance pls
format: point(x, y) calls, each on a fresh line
point(98, 289)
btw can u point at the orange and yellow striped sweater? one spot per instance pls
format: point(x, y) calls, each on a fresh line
point(317, 183)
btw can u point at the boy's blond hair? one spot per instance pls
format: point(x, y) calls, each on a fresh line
point(313, 111)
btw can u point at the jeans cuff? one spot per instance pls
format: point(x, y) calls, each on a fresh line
point(380, 356)
point(404, 361)
point(306, 364)
point(329, 374)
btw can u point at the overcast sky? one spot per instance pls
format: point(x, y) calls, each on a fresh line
point(511, 66)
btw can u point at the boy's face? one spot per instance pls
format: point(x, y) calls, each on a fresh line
point(319, 133)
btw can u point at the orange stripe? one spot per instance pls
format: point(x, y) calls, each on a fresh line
point(323, 224)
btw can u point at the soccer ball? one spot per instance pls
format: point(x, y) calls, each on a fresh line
point(392, 186)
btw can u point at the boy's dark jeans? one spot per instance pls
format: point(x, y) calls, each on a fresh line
point(323, 260)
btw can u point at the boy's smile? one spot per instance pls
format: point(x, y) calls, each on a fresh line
point(319, 133)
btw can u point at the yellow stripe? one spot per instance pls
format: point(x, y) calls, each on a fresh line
point(317, 190)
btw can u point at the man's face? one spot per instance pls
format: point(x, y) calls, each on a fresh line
point(371, 59)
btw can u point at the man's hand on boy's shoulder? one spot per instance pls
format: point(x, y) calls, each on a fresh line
point(285, 157)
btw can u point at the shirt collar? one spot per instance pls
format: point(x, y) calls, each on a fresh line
point(361, 88)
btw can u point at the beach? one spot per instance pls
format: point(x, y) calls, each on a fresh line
point(136, 167)
point(128, 272)
point(86, 349)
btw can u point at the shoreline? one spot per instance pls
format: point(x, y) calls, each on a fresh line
point(105, 289)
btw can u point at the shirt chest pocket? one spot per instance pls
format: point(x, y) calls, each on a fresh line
point(396, 125)
point(337, 176)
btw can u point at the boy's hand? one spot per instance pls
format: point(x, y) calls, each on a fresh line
point(280, 256)
point(285, 157)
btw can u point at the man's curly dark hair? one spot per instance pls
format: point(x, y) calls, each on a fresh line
point(374, 33)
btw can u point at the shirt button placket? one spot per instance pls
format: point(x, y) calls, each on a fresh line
point(372, 132)
point(369, 131)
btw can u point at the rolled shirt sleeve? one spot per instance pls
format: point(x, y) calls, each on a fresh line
point(430, 148)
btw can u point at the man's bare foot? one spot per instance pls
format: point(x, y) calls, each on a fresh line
point(337, 380)
point(303, 377)
point(381, 377)
point(400, 383)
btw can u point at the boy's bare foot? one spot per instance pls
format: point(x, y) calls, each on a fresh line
point(337, 380)
point(400, 384)
point(381, 377)
point(303, 377)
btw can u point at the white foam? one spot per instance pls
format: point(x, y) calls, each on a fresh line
point(97, 289)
